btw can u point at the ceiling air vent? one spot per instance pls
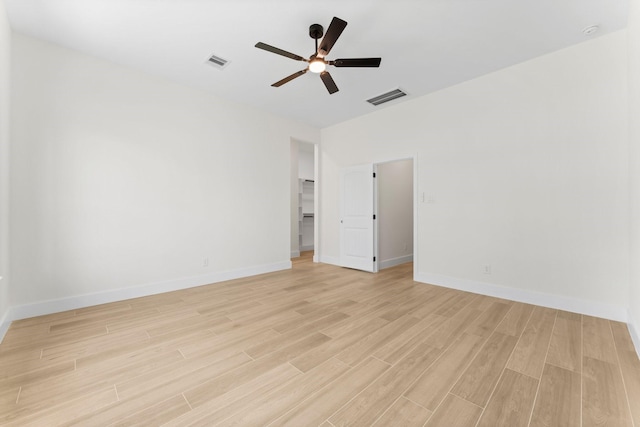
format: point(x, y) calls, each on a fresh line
point(217, 62)
point(386, 97)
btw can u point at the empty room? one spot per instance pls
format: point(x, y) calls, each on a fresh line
point(354, 213)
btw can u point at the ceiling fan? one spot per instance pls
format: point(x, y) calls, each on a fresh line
point(317, 61)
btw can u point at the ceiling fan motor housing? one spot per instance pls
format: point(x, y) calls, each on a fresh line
point(316, 31)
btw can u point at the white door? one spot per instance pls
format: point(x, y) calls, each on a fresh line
point(357, 231)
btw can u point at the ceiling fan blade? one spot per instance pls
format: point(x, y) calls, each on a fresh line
point(272, 49)
point(289, 78)
point(336, 28)
point(328, 82)
point(356, 62)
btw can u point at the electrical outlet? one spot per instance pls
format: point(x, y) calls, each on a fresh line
point(487, 269)
point(205, 262)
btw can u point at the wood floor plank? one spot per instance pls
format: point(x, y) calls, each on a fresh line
point(8, 398)
point(485, 324)
point(24, 376)
point(598, 339)
point(334, 346)
point(321, 405)
point(93, 345)
point(60, 413)
point(268, 407)
point(372, 402)
point(516, 319)
point(408, 339)
point(237, 399)
point(181, 375)
point(432, 387)
point(207, 390)
point(452, 328)
point(604, 400)
point(92, 378)
point(630, 367)
point(565, 348)
point(621, 336)
point(260, 349)
point(156, 414)
point(558, 403)
point(512, 401)
point(480, 378)
point(455, 412)
point(531, 351)
point(403, 412)
point(361, 349)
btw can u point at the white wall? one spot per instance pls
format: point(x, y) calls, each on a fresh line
point(528, 168)
point(5, 67)
point(121, 179)
point(305, 161)
point(395, 212)
point(634, 157)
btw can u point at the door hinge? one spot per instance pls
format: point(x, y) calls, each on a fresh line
point(374, 174)
point(374, 216)
point(374, 259)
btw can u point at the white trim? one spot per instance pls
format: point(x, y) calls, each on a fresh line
point(395, 261)
point(87, 300)
point(591, 308)
point(295, 254)
point(307, 248)
point(5, 322)
point(634, 331)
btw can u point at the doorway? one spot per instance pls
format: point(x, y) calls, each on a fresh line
point(303, 198)
point(377, 216)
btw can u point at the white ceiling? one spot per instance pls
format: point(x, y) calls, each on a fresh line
point(425, 45)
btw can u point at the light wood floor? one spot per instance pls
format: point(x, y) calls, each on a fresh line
point(319, 345)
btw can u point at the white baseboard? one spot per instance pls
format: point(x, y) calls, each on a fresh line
point(5, 322)
point(591, 308)
point(394, 261)
point(634, 330)
point(306, 248)
point(87, 300)
point(295, 254)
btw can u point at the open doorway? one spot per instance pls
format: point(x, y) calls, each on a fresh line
point(377, 215)
point(394, 212)
point(303, 203)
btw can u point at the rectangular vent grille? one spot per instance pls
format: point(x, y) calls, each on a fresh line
point(217, 62)
point(386, 97)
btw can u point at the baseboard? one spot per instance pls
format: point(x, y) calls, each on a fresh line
point(5, 322)
point(306, 248)
point(87, 300)
point(394, 261)
point(575, 305)
point(295, 254)
point(633, 326)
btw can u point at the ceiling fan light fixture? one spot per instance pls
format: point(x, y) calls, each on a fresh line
point(317, 66)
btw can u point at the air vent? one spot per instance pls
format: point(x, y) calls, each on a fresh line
point(386, 97)
point(217, 62)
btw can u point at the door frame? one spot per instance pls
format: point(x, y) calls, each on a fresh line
point(416, 201)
